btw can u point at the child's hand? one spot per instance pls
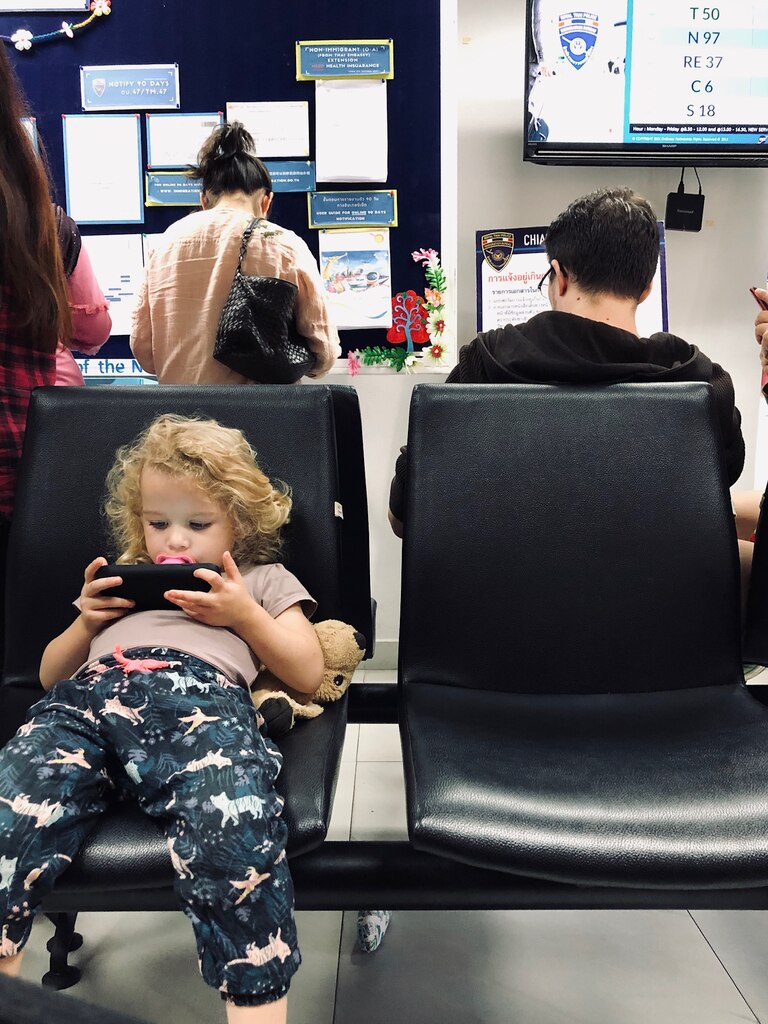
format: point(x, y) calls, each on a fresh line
point(97, 610)
point(227, 603)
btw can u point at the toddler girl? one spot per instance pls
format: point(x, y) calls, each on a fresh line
point(156, 704)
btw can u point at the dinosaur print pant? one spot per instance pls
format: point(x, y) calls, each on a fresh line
point(181, 738)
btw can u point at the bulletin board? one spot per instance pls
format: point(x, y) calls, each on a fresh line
point(235, 51)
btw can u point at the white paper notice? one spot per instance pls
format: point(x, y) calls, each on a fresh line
point(356, 274)
point(174, 140)
point(102, 160)
point(510, 295)
point(118, 263)
point(351, 130)
point(278, 129)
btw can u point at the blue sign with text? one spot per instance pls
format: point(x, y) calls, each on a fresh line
point(171, 188)
point(353, 209)
point(291, 175)
point(364, 58)
point(130, 87)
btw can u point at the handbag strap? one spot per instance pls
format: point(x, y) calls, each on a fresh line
point(244, 244)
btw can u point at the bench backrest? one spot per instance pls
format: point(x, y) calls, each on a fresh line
point(563, 539)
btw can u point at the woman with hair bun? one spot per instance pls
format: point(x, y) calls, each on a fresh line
point(189, 276)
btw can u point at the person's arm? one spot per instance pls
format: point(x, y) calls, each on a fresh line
point(91, 322)
point(141, 330)
point(536, 40)
point(396, 511)
point(313, 319)
point(287, 644)
point(761, 329)
point(67, 652)
point(746, 507)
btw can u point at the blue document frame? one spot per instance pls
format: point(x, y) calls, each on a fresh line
point(76, 197)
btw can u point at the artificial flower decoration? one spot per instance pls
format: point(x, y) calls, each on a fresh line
point(415, 321)
point(393, 356)
point(436, 323)
point(22, 39)
point(429, 257)
point(408, 320)
point(353, 363)
point(434, 353)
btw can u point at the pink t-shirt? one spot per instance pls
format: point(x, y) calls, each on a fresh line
point(272, 586)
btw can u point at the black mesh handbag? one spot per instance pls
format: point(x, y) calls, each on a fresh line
point(257, 335)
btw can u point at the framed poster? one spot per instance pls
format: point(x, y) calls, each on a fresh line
point(14, 6)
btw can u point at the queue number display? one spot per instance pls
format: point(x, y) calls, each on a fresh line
point(699, 71)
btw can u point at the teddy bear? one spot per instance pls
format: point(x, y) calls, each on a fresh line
point(343, 649)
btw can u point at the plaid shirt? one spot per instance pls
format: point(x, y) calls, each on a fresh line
point(21, 370)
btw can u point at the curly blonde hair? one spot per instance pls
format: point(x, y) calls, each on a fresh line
point(221, 462)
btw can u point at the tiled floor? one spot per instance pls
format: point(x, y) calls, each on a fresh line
point(503, 967)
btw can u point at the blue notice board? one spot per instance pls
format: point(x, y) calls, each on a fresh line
point(344, 58)
point(171, 188)
point(376, 209)
point(130, 87)
point(291, 175)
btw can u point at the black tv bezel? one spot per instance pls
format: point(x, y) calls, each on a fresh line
point(606, 154)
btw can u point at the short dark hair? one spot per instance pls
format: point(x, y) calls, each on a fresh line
point(227, 162)
point(607, 241)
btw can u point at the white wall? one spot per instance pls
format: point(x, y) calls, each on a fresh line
point(384, 401)
point(708, 273)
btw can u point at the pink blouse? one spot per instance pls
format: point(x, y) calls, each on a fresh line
point(91, 322)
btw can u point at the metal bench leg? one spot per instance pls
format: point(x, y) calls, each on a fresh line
point(64, 941)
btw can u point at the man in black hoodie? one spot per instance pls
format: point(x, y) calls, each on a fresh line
point(602, 250)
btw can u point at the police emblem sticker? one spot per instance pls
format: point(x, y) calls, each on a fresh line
point(578, 35)
point(497, 247)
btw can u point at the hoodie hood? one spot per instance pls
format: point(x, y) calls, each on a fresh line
point(560, 348)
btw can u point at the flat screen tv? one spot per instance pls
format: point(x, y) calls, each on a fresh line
point(647, 82)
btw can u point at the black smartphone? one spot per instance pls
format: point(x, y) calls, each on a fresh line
point(146, 584)
point(761, 303)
